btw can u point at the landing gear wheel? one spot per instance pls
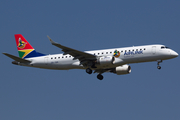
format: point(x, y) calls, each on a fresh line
point(89, 71)
point(159, 61)
point(159, 67)
point(100, 77)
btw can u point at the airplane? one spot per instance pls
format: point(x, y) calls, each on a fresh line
point(115, 60)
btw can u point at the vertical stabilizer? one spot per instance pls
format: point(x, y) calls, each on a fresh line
point(25, 50)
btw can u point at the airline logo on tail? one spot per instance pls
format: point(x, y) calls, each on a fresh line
point(21, 44)
point(25, 50)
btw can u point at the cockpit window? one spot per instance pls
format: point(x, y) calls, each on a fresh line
point(164, 47)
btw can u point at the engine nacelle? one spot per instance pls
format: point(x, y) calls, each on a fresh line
point(124, 69)
point(105, 60)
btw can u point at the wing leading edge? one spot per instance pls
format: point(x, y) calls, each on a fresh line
point(83, 57)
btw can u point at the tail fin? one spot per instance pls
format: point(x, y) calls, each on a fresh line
point(25, 50)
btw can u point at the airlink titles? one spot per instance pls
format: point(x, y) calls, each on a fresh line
point(133, 52)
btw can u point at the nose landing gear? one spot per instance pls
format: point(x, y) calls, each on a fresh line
point(159, 67)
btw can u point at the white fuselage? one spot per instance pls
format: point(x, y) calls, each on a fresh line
point(128, 55)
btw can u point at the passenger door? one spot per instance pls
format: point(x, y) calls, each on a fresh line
point(46, 60)
point(153, 50)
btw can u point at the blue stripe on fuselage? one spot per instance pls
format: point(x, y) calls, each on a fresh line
point(34, 54)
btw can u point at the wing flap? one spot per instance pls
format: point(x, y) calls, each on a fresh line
point(18, 59)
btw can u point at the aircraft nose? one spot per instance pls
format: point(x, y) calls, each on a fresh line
point(174, 54)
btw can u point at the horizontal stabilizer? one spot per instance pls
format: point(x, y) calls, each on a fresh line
point(18, 59)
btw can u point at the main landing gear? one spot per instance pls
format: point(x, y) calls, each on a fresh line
point(99, 76)
point(159, 67)
point(89, 71)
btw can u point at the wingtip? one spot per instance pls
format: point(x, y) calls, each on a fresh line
point(50, 39)
point(4, 53)
point(52, 42)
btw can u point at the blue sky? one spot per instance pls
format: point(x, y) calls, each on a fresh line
point(38, 94)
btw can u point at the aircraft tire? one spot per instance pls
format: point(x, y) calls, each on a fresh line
point(89, 71)
point(100, 77)
point(159, 67)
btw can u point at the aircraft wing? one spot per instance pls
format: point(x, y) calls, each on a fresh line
point(18, 59)
point(82, 56)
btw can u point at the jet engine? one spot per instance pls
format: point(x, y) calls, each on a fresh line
point(105, 60)
point(120, 70)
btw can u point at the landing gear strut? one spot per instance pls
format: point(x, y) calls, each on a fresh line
point(89, 71)
point(159, 67)
point(100, 77)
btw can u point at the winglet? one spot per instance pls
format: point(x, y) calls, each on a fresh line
point(52, 42)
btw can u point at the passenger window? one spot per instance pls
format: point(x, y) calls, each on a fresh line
point(106, 52)
point(144, 48)
point(59, 57)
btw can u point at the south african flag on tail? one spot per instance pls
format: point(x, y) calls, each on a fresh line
point(25, 50)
